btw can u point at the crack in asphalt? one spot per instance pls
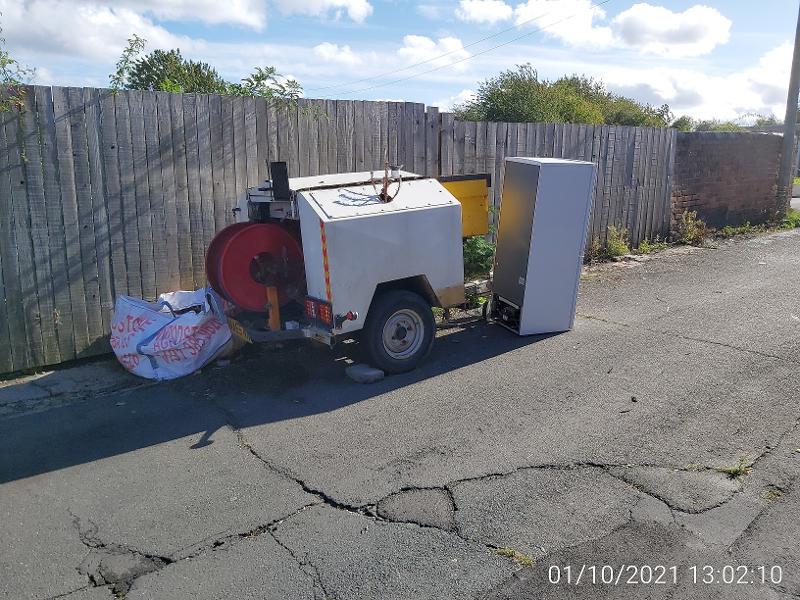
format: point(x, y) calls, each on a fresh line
point(89, 535)
point(95, 567)
point(69, 593)
point(302, 563)
point(688, 338)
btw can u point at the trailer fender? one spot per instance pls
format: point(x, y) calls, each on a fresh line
point(419, 284)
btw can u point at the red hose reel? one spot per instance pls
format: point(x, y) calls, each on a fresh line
point(246, 258)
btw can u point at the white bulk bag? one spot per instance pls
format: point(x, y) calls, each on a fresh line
point(169, 338)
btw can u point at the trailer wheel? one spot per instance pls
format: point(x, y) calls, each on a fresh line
point(399, 331)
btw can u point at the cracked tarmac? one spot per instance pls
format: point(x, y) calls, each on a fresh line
point(662, 430)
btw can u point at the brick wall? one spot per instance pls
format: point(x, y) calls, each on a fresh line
point(728, 178)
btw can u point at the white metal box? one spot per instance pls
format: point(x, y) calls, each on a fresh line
point(353, 241)
point(544, 214)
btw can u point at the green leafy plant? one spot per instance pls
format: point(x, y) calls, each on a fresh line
point(120, 78)
point(791, 220)
point(475, 300)
point(738, 470)
point(520, 95)
point(650, 246)
point(617, 242)
point(13, 78)
point(691, 230)
point(478, 257)
point(594, 252)
point(734, 230)
point(169, 71)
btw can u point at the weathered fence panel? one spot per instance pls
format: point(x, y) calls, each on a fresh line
point(105, 193)
point(632, 179)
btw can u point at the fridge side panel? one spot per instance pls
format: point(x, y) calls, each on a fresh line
point(514, 232)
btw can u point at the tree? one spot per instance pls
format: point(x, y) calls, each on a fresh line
point(684, 123)
point(717, 125)
point(521, 96)
point(169, 71)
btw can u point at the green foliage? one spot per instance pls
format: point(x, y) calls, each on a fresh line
point(617, 242)
point(684, 123)
point(119, 78)
point(521, 96)
point(791, 220)
point(169, 71)
point(691, 230)
point(796, 181)
point(616, 245)
point(734, 230)
point(650, 246)
point(517, 556)
point(265, 82)
point(475, 300)
point(13, 77)
point(738, 470)
point(478, 257)
point(595, 251)
point(765, 121)
point(716, 125)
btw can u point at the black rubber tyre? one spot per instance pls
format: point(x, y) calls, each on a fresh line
point(399, 331)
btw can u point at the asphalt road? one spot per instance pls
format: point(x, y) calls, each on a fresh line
point(659, 437)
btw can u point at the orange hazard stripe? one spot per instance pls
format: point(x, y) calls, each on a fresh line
point(326, 269)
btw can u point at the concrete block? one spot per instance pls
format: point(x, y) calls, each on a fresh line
point(361, 373)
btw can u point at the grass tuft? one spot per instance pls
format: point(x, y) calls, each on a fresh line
point(791, 220)
point(731, 230)
point(738, 470)
point(691, 230)
point(617, 242)
point(650, 246)
point(516, 556)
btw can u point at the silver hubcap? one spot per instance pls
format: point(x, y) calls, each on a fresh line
point(403, 333)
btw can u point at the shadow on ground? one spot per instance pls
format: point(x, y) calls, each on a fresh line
point(265, 384)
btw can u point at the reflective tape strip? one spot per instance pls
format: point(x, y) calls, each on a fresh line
point(325, 266)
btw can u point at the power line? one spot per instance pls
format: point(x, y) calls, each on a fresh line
point(428, 60)
point(471, 56)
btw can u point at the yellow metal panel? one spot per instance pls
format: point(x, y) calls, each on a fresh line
point(473, 194)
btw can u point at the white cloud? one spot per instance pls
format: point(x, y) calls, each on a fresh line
point(644, 27)
point(759, 89)
point(82, 29)
point(658, 30)
point(357, 10)
point(418, 48)
point(571, 21)
point(333, 53)
point(249, 13)
point(483, 11)
point(447, 104)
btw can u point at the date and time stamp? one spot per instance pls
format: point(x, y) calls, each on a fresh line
point(623, 575)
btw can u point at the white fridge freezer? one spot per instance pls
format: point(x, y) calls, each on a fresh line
point(544, 214)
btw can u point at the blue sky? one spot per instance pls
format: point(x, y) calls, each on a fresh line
point(716, 58)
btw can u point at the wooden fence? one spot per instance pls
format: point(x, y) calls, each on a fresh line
point(103, 194)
